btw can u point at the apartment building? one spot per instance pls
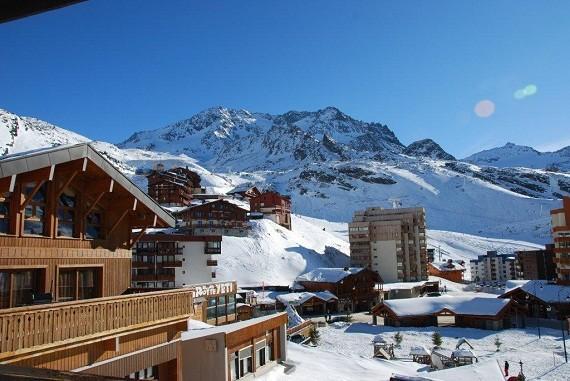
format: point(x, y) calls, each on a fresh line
point(273, 206)
point(169, 260)
point(561, 236)
point(173, 187)
point(391, 242)
point(219, 217)
point(493, 267)
point(536, 264)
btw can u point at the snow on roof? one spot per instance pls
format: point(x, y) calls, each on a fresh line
point(296, 298)
point(462, 305)
point(402, 285)
point(378, 339)
point(201, 331)
point(419, 350)
point(463, 353)
point(294, 318)
point(268, 297)
point(481, 371)
point(328, 275)
point(515, 283)
point(545, 291)
point(447, 266)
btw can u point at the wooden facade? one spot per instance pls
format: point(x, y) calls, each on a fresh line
point(273, 206)
point(448, 270)
point(219, 217)
point(355, 292)
point(561, 236)
point(173, 187)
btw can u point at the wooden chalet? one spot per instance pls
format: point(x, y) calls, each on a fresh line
point(66, 217)
point(173, 187)
point(273, 206)
point(246, 192)
point(219, 217)
point(543, 299)
point(467, 311)
point(309, 303)
point(354, 287)
point(449, 270)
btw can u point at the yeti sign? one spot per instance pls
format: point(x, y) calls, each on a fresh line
point(214, 289)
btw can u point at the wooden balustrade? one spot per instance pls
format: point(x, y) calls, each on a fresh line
point(28, 327)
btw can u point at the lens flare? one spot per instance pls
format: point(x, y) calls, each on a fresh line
point(484, 108)
point(526, 91)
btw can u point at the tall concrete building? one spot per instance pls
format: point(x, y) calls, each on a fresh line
point(561, 237)
point(391, 242)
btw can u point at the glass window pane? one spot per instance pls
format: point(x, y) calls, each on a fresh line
point(87, 287)
point(4, 289)
point(23, 287)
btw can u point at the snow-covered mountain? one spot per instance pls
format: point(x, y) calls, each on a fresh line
point(332, 165)
point(19, 134)
point(512, 155)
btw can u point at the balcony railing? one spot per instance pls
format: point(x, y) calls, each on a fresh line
point(212, 250)
point(211, 262)
point(27, 327)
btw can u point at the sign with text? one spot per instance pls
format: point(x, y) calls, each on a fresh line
point(213, 289)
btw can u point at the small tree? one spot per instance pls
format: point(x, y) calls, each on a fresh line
point(398, 337)
point(314, 335)
point(498, 343)
point(436, 339)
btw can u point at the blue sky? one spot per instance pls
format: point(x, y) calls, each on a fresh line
point(108, 68)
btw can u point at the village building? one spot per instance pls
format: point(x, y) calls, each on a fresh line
point(449, 270)
point(458, 311)
point(493, 267)
point(561, 236)
point(354, 287)
point(405, 290)
point(542, 299)
point(273, 206)
point(233, 351)
point(309, 303)
point(391, 242)
point(67, 217)
point(173, 187)
point(170, 259)
point(218, 217)
point(536, 264)
point(245, 192)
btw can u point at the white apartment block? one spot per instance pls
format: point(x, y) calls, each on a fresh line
point(391, 242)
point(493, 267)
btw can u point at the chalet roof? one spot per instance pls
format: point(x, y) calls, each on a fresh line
point(328, 275)
point(459, 305)
point(196, 205)
point(419, 350)
point(447, 266)
point(543, 290)
point(297, 298)
point(464, 352)
point(46, 157)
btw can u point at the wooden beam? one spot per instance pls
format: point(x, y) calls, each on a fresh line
point(137, 237)
point(116, 224)
point(31, 196)
point(94, 203)
point(66, 184)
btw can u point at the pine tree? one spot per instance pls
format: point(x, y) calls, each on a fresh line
point(398, 337)
point(436, 339)
point(314, 335)
point(498, 343)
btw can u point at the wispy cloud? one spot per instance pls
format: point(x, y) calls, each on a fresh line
point(527, 91)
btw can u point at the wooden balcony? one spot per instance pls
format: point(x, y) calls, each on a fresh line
point(153, 277)
point(212, 250)
point(211, 262)
point(28, 329)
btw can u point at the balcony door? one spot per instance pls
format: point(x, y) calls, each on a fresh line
point(77, 283)
point(17, 287)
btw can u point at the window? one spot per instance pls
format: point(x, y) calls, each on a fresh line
point(93, 225)
point(66, 214)
point(231, 305)
point(78, 283)
point(18, 287)
point(4, 213)
point(260, 353)
point(221, 306)
point(34, 213)
point(211, 309)
point(245, 365)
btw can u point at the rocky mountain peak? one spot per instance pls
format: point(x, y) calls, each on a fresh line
point(427, 148)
